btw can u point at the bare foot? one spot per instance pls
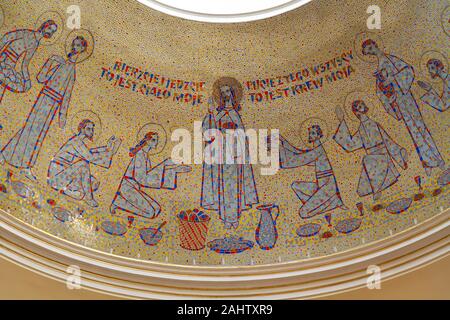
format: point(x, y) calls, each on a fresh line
point(183, 168)
point(91, 203)
point(113, 209)
point(376, 196)
point(95, 185)
point(74, 194)
point(28, 174)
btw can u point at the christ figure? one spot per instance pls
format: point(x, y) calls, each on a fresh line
point(322, 195)
point(228, 187)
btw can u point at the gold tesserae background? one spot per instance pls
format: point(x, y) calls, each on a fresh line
point(146, 71)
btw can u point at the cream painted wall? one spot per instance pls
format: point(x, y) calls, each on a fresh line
point(429, 282)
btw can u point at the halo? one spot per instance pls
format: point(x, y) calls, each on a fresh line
point(360, 38)
point(87, 114)
point(162, 136)
point(306, 124)
point(172, 128)
point(59, 20)
point(431, 54)
point(86, 34)
point(356, 95)
point(227, 81)
point(2, 16)
point(445, 20)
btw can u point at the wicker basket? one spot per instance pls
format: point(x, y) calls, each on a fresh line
point(193, 233)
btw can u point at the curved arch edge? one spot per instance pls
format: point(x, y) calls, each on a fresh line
point(109, 274)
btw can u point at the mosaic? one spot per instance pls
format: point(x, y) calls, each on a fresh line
point(87, 146)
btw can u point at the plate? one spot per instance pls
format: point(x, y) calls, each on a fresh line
point(308, 230)
point(22, 190)
point(399, 206)
point(61, 214)
point(348, 225)
point(114, 228)
point(230, 245)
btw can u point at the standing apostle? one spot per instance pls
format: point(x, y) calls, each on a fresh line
point(58, 77)
point(394, 78)
point(16, 45)
point(431, 97)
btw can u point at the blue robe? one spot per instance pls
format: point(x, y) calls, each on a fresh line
point(399, 102)
point(227, 188)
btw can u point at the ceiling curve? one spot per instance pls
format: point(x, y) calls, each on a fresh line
point(219, 11)
point(151, 147)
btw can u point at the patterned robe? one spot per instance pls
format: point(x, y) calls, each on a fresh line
point(321, 195)
point(70, 167)
point(131, 197)
point(378, 171)
point(399, 102)
point(16, 45)
point(58, 77)
point(227, 188)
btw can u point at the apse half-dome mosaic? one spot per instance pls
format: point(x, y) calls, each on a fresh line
point(150, 137)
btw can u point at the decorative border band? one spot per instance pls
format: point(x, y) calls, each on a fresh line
point(396, 255)
point(224, 18)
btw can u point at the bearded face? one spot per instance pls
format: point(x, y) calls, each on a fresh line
point(88, 131)
point(78, 46)
point(314, 134)
point(152, 143)
point(359, 109)
point(433, 70)
point(49, 31)
point(226, 94)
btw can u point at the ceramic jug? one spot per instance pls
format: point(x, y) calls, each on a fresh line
point(266, 233)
